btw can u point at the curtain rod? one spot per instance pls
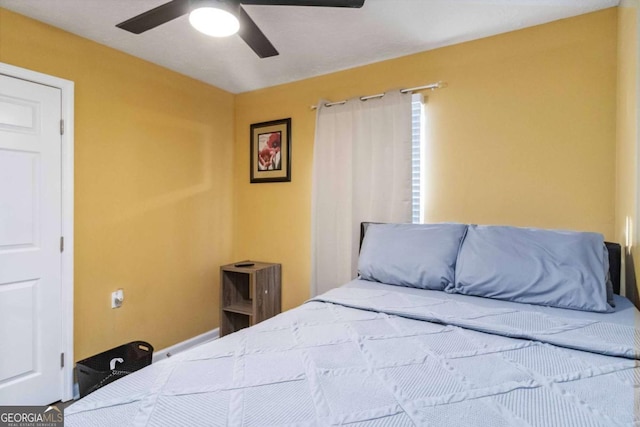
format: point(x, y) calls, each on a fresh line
point(432, 86)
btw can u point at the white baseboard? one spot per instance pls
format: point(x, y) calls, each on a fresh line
point(186, 344)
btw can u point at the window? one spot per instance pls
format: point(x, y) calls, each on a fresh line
point(417, 155)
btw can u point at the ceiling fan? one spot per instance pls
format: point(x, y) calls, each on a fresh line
point(221, 18)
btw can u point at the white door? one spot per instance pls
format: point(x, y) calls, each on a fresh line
point(30, 230)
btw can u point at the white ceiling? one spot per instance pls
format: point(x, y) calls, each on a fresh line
point(311, 40)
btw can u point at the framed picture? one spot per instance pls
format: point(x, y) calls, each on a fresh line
point(270, 151)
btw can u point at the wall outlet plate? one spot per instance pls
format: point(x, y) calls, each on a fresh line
point(117, 298)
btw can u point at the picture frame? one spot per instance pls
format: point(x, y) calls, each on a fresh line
point(270, 151)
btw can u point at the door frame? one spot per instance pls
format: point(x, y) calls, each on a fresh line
point(67, 169)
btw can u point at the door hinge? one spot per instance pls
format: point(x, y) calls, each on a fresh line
point(61, 244)
point(61, 127)
point(62, 360)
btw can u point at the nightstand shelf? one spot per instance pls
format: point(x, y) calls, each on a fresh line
point(248, 295)
point(244, 307)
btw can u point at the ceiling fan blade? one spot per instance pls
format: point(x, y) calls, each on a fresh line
point(254, 37)
point(322, 3)
point(154, 17)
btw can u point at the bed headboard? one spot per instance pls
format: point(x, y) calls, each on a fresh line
point(615, 253)
point(615, 264)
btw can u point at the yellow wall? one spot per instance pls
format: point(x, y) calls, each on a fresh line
point(153, 185)
point(523, 135)
point(627, 123)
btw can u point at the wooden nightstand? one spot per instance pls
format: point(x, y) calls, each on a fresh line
point(248, 295)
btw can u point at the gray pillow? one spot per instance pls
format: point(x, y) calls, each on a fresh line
point(609, 283)
point(414, 255)
point(554, 268)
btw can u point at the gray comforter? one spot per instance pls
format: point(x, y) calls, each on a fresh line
point(379, 355)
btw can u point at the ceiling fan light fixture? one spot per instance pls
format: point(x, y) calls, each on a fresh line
point(214, 21)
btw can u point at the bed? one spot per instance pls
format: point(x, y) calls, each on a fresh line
point(379, 354)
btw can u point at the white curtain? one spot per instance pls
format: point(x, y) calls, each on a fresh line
point(361, 172)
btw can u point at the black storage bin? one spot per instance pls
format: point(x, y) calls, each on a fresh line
point(95, 371)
